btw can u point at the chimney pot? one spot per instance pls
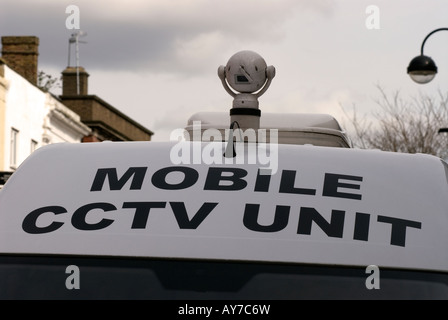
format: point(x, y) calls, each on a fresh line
point(21, 54)
point(70, 81)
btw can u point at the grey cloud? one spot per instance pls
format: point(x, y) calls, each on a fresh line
point(125, 46)
point(122, 42)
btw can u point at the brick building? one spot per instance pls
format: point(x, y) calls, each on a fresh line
point(31, 117)
point(106, 122)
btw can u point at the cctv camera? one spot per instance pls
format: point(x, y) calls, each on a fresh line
point(246, 72)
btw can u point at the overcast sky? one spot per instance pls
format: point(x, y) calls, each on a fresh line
point(157, 60)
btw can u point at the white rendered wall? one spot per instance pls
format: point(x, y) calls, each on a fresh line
point(37, 116)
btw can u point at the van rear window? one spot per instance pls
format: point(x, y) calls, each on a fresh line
point(67, 277)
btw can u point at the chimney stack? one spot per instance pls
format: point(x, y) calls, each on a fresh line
point(21, 54)
point(70, 81)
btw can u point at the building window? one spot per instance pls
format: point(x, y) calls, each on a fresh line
point(33, 146)
point(14, 147)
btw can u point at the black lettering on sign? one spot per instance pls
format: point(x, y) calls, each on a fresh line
point(142, 212)
point(262, 182)
point(184, 222)
point(331, 185)
point(250, 218)
point(29, 224)
point(398, 233)
point(362, 225)
point(334, 228)
point(79, 216)
point(233, 175)
point(137, 174)
point(190, 176)
point(288, 181)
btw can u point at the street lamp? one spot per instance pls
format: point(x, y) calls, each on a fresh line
point(422, 69)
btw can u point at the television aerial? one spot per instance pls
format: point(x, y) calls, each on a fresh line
point(75, 39)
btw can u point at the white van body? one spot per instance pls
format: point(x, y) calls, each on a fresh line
point(327, 208)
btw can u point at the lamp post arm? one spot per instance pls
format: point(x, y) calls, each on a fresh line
point(431, 33)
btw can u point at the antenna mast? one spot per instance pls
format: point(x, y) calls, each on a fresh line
point(75, 39)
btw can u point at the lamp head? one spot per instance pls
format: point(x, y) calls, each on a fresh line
point(422, 69)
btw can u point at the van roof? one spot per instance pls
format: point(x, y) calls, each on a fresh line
point(282, 203)
point(292, 128)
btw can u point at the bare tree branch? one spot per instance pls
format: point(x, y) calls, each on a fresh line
point(409, 126)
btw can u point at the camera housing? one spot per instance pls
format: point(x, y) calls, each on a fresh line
point(247, 73)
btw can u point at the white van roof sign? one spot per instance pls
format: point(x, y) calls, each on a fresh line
point(323, 205)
